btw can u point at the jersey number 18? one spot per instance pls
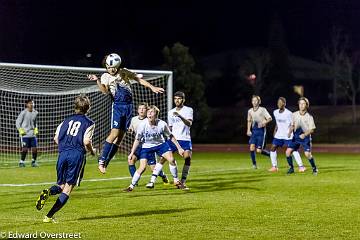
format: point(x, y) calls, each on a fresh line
point(73, 128)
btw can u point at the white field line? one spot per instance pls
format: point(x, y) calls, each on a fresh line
point(110, 179)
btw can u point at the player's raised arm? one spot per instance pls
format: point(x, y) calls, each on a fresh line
point(148, 85)
point(102, 87)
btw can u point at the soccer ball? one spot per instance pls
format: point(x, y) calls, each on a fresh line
point(113, 60)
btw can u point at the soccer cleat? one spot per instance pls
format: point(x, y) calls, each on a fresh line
point(102, 168)
point(49, 220)
point(179, 185)
point(255, 167)
point(302, 169)
point(21, 164)
point(165, 180)
point(290, 171)
point(273, 169)
point(34, 164)
point(315, 171)
point(185, 188)
point(44, 195)
point(128, 189)
point(150, 185)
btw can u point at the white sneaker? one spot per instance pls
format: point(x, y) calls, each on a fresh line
point(150, 185)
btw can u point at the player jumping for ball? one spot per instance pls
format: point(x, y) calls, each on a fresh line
point(116, 82)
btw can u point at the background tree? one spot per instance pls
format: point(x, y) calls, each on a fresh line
point(179, 60)
point(344, 67)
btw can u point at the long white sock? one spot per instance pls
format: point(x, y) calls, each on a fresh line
point(158, 167)
point(297, 157)
point(273, 157)
point(135, 178)
point(174, 172)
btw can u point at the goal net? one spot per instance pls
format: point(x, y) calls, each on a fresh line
point(53, 90)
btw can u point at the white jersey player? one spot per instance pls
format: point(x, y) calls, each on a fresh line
point(134, 124)
point(283, 135)
point(153, 134)
point(180, 120)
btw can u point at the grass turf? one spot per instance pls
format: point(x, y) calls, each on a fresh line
point(227, 200)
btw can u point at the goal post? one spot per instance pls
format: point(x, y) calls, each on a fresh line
point(53, 89)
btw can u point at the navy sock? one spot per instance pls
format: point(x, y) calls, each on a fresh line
point(106, 152)
point(253, 159)
point(132, 170)
point(23, 155)
point(290, 162)
point(60, 202)
point(161, 174)
point(34, 156)
point(114, 148)
point(265, 152)
point(312, 162)
point(55, 190)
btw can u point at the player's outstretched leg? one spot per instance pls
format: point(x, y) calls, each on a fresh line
point(60, 202)
point(137, 175)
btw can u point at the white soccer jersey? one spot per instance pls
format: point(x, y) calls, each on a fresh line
point(152, 136)
point(258, 116)
point(135, 122)
point(305, 122)
point(179, 129)
point(112, 81)
point(283, 123)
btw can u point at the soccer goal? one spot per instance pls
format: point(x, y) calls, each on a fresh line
point(53, 90)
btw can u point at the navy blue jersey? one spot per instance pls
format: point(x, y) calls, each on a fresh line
point(72, 131)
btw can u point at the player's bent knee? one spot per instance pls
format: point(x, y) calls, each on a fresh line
point(308, 155)
point(288, 152)
point(67, 189)
point(162, 160)
point(273, 148)
point(258, 150)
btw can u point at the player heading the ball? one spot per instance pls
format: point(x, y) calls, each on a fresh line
point(116, 83)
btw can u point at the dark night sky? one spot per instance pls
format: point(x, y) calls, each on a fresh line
point(61, 32)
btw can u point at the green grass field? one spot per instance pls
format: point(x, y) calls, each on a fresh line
point(227, 200)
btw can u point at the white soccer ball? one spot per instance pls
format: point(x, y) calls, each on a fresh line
point(113, 60)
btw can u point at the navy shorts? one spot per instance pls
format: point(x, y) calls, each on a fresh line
point(151, 159)
point(297, 143)
point(281, 142)
point(70, 167)
point(29, 142)
point(121, 116)
point(258, 138)
point(186, 145)
point(146, 153)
